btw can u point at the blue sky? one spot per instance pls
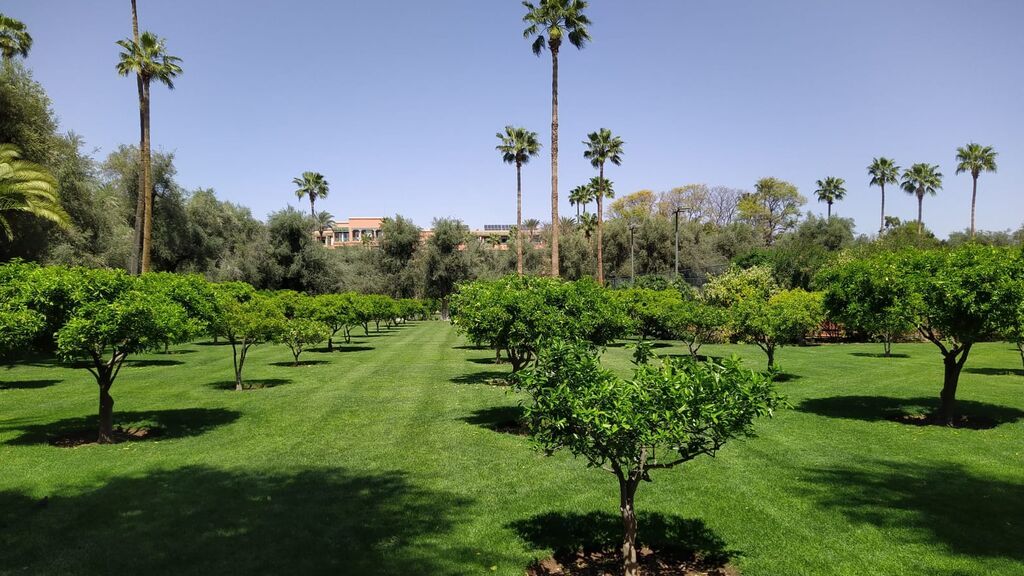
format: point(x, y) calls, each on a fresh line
point(397, 103)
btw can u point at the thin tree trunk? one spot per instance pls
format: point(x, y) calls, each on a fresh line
point(974, 201)
point(881, 224)
point(519, 218)
point(600, 227)
point(950, 380)
point(627, 491)
point(554, 162)
point(106, 424)
point(770, 351)
point(147, 179)
point(830, 210)
point(237, 364)
point(134, 263)
point(920, 221)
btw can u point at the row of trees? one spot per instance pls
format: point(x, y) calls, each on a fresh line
point(104, 316)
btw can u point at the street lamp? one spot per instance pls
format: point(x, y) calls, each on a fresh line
point(632, 258)
point(676, 213)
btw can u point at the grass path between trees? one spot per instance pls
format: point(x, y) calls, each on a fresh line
point(383, 458)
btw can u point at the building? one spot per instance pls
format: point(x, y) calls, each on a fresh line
point(365, 231)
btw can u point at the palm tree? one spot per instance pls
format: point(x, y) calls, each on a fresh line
point(921, 179)
point(975, 158)
point(324, 220)
point(588, 224)
point(14, 38)
point(602, 147)
point(830, 190)
point(140, 200)
point(550, 21)
point(517, 145)
point(531, 225)
point(883, 171)
point(148, 59)
point(580, 196)
point(27, 187)
point(313, 185)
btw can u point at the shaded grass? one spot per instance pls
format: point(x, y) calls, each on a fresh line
point(386, 462)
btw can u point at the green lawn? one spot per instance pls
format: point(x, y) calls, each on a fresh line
point(380, 458)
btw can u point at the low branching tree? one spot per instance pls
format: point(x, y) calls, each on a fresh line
point(337, 312)
point(298, 333)
point(695, 322)
point(664, 416)
point(866, 295)
point(246, 319)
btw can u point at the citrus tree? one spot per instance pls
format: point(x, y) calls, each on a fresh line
point(664, 416)
point(246, 319)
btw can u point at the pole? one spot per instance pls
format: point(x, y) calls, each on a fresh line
point(676, 213)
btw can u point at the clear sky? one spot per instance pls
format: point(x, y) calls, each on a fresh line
point(397, 103)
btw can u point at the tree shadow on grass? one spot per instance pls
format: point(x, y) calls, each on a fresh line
point(878, 355)
point(469, 347)
point(170, 424)
point(876, 408)
point(28, 384)
point(151, 362)
point(504, 419)
point(996, 371)
point(254, 384)
point(290, 364)
point(488, 360)
point(491, 377)
point(568, 532)
point(782, 377)
point(200, 520)
point(341, 348)
point(932, 503)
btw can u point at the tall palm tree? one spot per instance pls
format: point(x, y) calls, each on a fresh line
point(551, 21)
point(830, 190)
point(140, 200)
point(883, 171)
point(313, 185)
point(975, 158)
point(149, 60)
point(921, 179)
point(602, 147)
point(27, 187)
point(14, 38)
point(517, 145)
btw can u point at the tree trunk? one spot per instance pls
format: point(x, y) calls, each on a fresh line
point(887, 346)
point(134, 263)
point(147, 179)
point(444, 308)
point(829, 209)
point(920, 221)
point(238, 360)
point(974, 201)
point(497, 355)
point(770, 351)
point(1020, 348)
point(296, 356)
point(554, 161)
point(627, 490)
point(330, 344)
point(881, 225)
point(951, 378)
point(519, 218)
point(600, 227)
point(106, 426)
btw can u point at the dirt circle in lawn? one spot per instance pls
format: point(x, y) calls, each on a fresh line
point(965, 421)
point(609, 562)
point(87, 437)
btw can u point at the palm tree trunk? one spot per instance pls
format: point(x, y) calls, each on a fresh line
point(600, 227)
point(554, 161)
point(147, 181)
point(140, 201)
point(881, 224)
point(830, 210)
point(974, 200)
point(920, 222)
point(519, 218)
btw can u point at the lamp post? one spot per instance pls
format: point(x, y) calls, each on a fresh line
point(632, 259)
point(676, 214)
